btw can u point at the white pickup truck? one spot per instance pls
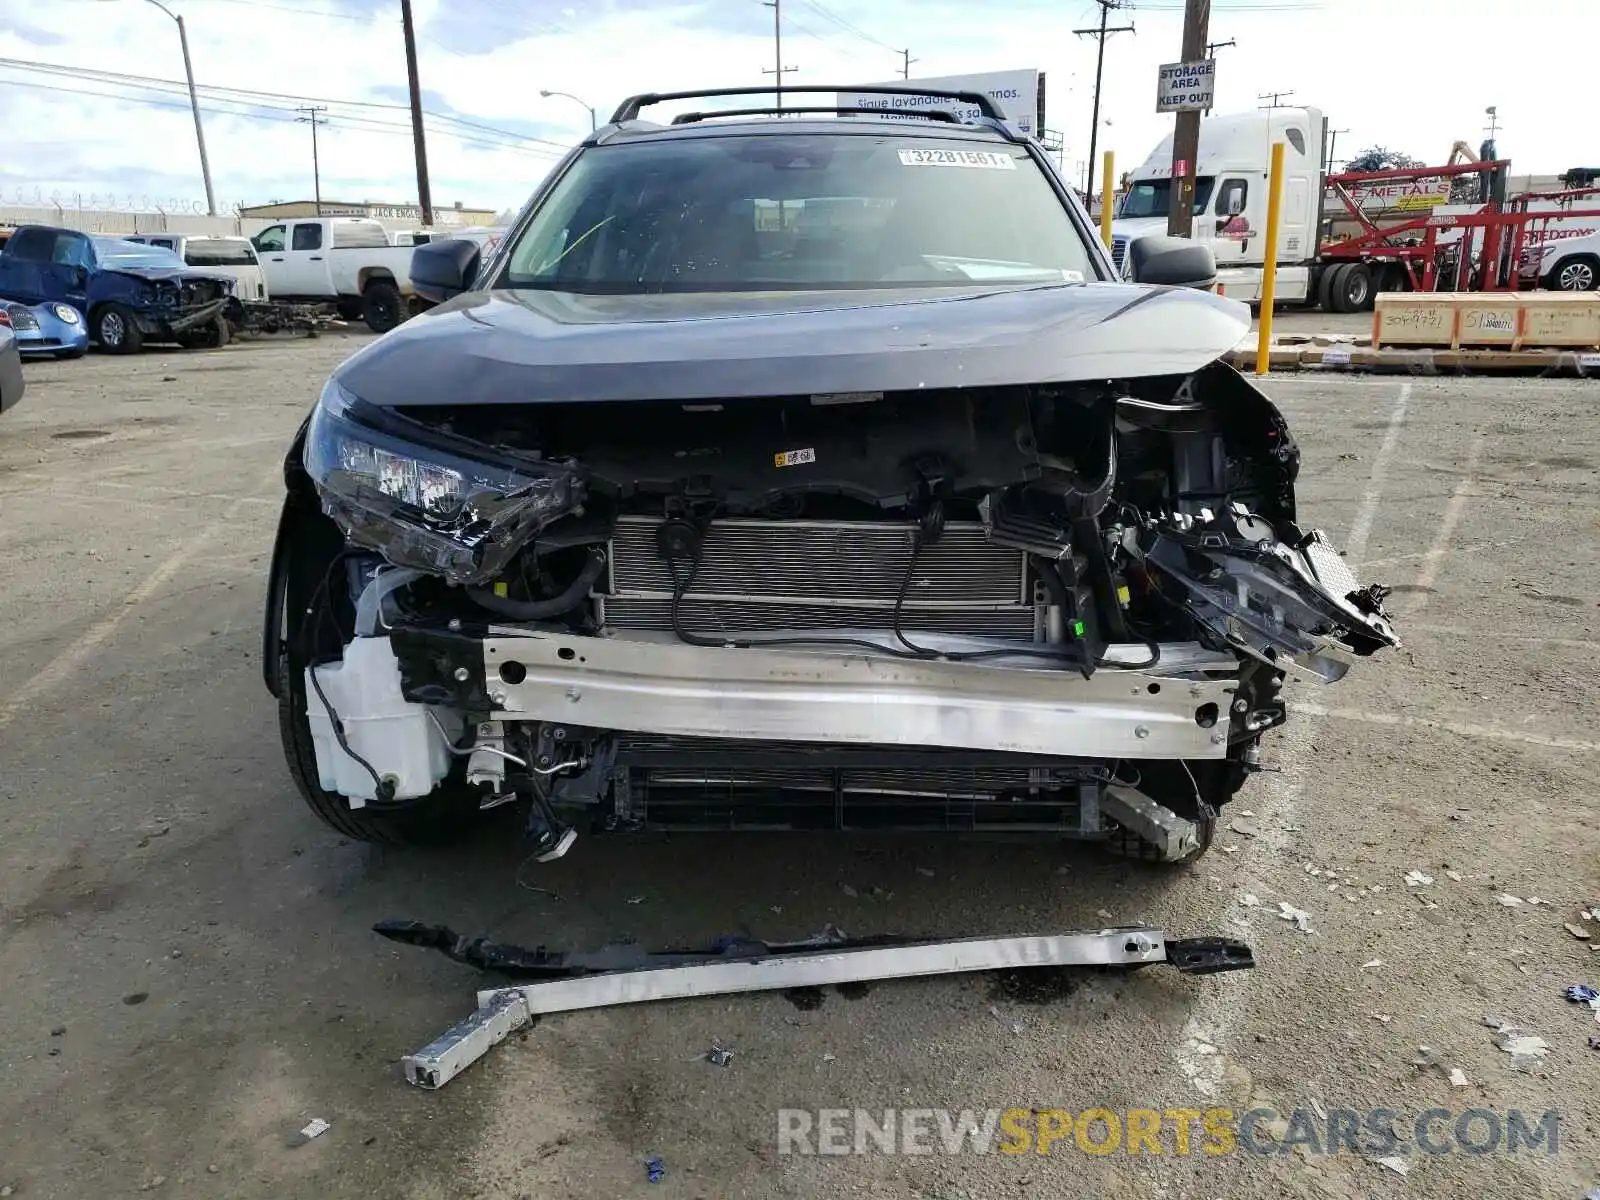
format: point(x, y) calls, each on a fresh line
point(345, 261)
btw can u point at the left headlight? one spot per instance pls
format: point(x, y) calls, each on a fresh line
point(66, 314)
point(453, 512)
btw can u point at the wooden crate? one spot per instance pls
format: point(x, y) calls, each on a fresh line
point(1488, 320)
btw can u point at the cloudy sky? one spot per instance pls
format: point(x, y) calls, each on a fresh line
point(83, 111)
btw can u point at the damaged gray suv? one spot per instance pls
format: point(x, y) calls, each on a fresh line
point(799, 471)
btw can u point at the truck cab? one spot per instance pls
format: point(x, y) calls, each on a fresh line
point(1232, 172)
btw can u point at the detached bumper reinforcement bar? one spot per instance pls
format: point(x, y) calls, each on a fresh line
point(627, 975)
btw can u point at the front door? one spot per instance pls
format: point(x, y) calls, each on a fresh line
point(306, 271)
point(1236, 229)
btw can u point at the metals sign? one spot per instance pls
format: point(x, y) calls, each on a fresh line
point(1186, 87)
point(1015, 94)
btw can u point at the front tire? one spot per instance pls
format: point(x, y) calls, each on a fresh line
point(1579, 274)
point(381, 306)
point(117, 331)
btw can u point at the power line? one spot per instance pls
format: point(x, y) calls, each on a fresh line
point(833, 45)
point(829, 15)
point(358, 124)
point(226, 93)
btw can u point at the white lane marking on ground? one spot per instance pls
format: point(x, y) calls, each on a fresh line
point(1355, 545)
point(1211, 1020)
point(1466, 729)
point(1429, 574)
point(59, 669)
point(1534, 639)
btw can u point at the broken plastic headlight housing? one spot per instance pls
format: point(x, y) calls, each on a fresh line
point(429, 500)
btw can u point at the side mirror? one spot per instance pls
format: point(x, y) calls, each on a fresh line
point(443, 269)
point(1171, 261)
point(80, 276)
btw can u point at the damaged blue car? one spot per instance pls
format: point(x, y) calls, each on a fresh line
point(130, 294)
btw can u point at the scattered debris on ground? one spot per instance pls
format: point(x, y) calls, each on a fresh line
point(1418, 879)
point(719, 1055)
point(1525, 1048)
point(1300, 917)
point(1509, 901)
point(654, 1170)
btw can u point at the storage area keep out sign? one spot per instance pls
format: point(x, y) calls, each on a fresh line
point(1186, 87)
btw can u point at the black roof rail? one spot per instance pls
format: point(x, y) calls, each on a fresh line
point(689, 118)
point(628, 110)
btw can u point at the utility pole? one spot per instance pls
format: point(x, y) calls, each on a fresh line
point(777, 70)
point(314, 118)
point(1273, 99)
point(419, 140)
point(1100, 35)
point(905, 64)
point(1186, 133)
point(1211, 52)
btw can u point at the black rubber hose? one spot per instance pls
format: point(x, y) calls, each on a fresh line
point(543, 610)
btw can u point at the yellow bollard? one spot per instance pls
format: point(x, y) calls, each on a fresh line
point(1269, 269)
point(1107, 186)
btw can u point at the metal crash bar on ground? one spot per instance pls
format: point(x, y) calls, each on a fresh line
point(628, 975)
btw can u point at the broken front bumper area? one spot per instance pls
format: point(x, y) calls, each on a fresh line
point(1175, 709)
point(169, 323)
point(646, 733)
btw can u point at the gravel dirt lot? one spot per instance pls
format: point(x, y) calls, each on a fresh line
point(190, 977)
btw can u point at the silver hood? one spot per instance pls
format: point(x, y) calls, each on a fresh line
point(541, 347)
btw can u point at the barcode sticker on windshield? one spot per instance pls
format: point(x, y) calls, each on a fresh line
point(984, 159)
point(794, 458)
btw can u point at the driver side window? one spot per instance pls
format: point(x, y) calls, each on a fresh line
point(1231, 198)
point(270, 239)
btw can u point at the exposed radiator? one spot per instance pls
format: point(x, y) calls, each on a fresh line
point(761, 575)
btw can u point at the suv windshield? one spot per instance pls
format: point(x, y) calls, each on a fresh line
point(1153, 197)
point(748, 212)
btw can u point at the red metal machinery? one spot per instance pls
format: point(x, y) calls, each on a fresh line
point(1411, 247)
point(1536, 226)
